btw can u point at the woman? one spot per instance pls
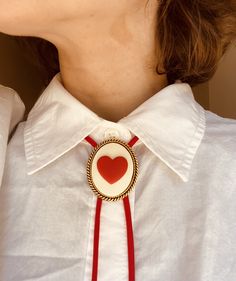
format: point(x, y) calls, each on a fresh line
point(117, 173)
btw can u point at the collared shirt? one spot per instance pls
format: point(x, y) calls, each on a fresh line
point(183, 205)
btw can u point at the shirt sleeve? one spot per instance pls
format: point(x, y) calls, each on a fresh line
point(12, 111)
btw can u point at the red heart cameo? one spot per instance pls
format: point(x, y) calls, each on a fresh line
point(112, 169)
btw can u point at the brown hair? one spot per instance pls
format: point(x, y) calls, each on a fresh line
point(193, 36)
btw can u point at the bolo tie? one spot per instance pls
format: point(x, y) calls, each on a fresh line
point(112, 170)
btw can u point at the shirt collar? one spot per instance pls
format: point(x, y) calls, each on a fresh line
point(170, 123)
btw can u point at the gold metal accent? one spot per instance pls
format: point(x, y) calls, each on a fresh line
point(134, 176)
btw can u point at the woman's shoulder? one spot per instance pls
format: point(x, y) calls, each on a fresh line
point(12, 110)
point(220, 133)
point(222, 126)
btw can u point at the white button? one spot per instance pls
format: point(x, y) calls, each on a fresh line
point(111, 132)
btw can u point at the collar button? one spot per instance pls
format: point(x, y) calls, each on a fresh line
point(111, 132)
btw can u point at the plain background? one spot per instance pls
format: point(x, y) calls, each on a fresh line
point(217, 95)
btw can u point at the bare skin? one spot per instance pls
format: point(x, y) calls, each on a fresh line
point(107, 50)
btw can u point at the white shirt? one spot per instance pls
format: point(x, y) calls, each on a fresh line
point(183, 205)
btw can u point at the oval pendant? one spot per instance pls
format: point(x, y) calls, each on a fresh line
point(112, 169)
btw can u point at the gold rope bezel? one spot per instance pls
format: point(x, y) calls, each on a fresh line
point(132, 181)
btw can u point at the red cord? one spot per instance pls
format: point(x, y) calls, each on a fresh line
point(129, 228)
point(133, 141)
point(130, 239)
point(96, 239)
point(91, 141)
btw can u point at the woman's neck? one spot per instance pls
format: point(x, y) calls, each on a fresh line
point(109, 65)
